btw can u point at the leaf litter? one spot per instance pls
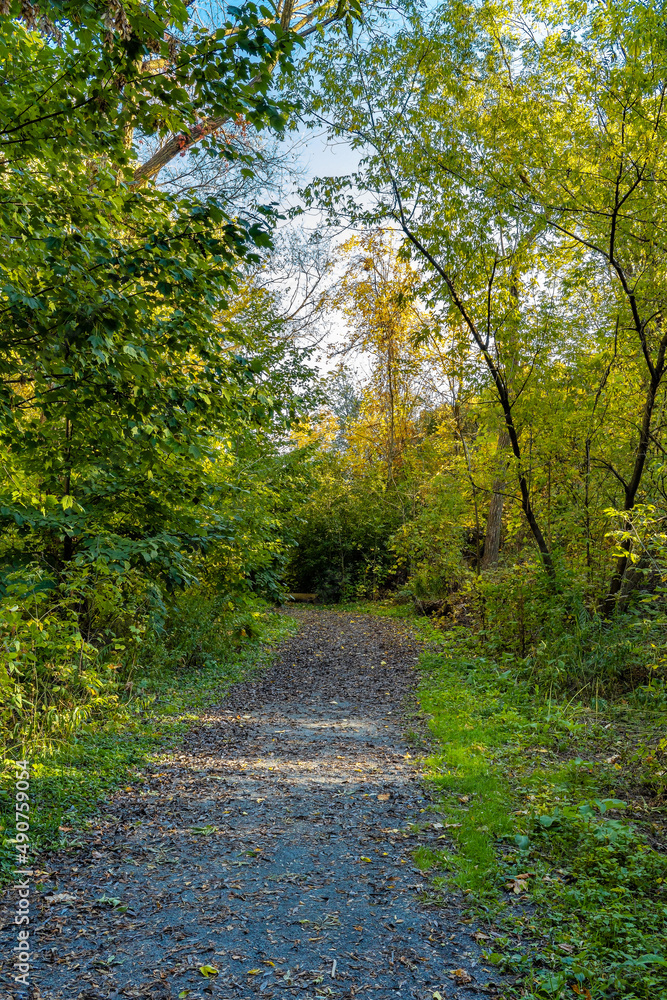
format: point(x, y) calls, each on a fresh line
point(238, 861)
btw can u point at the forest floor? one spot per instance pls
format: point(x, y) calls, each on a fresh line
point(272, 853)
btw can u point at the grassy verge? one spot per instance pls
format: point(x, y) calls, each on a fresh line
point(552, 824)
point(70, 778)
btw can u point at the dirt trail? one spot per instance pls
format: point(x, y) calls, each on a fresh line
point(275, 846)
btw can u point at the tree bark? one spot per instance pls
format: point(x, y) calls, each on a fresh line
point(494, 520)
point(632, 486)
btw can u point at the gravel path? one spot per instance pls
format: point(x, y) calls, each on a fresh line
point(276, 847)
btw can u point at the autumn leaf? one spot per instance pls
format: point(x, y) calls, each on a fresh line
point(208, 970)
point(461, 976)
point(518, 884)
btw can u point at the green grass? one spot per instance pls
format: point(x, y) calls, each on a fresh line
point(70, 779)
point(534, 808)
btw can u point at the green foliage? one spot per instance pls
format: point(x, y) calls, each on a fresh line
point(611, 897)
point(472, 716)
point(558, 642)
point(525, 829)
point(143, 403)
point(498, 160)
point(53, 679)
point(343, 535)
point(429, 546)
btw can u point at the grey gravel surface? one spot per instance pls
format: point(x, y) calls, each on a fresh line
point(276, 846)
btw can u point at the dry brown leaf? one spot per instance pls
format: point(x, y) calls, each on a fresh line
point(384, 797)
point(461, 976)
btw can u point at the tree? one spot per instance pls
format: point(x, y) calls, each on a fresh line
point(119, 373)
point(375, 294)
point(509, 203)
point(593, 176)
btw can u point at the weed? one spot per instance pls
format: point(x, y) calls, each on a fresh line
point(538, 843)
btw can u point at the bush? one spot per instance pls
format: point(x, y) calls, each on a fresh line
point(76, 650)
point(343, 540)
point(611, 898)
point(558, 641)
point(54, 678)
point(429, 547)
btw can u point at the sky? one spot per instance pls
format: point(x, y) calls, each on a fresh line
point(324, 157)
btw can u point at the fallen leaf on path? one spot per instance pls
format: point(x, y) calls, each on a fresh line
point(362, 858)
point(461, 976)
point(384, 797)
point(208, 970)
point(480, 936)
point(61, 897)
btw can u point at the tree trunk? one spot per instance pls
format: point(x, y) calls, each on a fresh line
point(632, 487)
point(500, 383)
point(182, 142)
point(494, 520)
point(494, 525)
